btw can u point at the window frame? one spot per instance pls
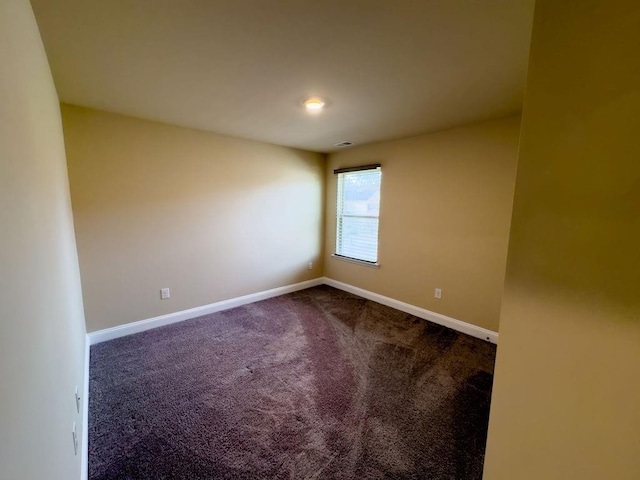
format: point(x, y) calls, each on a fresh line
point(339, 216)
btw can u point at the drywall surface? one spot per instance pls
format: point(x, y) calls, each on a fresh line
point(444, 219)
point(42, 331)
point(208, 216)
point(566, 391)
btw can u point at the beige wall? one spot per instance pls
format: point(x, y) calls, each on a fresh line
point(211, 217)
point(444, 219)
point(566, 402)
point(42, 329)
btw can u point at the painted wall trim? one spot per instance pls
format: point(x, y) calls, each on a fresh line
point(84, 448)
point(155, 322)
point(142, 325)
point(434, 317)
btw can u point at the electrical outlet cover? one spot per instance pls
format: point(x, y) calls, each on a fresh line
point(77, 400)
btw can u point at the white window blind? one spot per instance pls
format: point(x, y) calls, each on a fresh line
point(358, 211)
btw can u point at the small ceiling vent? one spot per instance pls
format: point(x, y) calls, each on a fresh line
point(343, 144)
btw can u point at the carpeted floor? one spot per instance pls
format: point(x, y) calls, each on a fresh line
point(317, 384)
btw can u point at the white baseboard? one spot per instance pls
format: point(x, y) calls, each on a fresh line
point(142, 325)
point(434, 317)
point(84, 445)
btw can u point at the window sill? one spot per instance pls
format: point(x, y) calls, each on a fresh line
point(356, 261)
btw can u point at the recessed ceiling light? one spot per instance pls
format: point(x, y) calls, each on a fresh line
point(314, 104)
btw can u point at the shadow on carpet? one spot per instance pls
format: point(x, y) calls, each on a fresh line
point(316, 384)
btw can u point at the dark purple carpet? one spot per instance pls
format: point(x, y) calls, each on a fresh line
point(317, 384)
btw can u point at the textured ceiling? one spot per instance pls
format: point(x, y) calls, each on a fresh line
point(387, 68)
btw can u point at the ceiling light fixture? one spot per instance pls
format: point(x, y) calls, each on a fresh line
point(314, 105)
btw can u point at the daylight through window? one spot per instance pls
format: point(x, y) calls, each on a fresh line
point(358, 211)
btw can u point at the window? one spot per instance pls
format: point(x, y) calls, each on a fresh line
point(357, 214)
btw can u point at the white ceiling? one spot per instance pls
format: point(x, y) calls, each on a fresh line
point(388, 68)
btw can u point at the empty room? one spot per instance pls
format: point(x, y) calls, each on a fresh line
point(341, 239)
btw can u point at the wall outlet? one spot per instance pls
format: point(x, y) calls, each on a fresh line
point(77, 400)
point(438, 293)
point(310, 265)
point(164, 293)
point(74, 433)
